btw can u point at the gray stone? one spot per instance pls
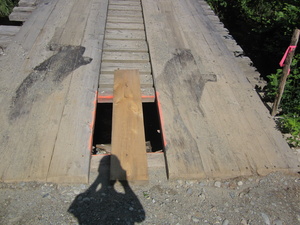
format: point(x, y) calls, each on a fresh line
point(218, 184)
point(195, 220)
point(189, 191)
point(225, 222)
point(277, 222)
point(266, 218)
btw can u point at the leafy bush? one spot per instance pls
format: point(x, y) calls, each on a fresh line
point(291, 122)
point(290, 102)
point(264, 28)
point(6, 7)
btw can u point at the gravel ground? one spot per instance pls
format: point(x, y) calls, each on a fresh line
point(274, 199)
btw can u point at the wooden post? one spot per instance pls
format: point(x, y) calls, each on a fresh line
point(285, 71)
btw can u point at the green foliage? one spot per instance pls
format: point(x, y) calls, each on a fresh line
point(6, 7)
point(290, 102)
point(291, 122)
point(264, 29)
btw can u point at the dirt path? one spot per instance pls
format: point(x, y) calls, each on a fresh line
point(274, 199)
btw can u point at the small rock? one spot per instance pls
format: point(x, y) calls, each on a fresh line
point(202, 197)
point(76, 192)
point(195, 220)
point(240, 183)
point(189, 191)
point(225, 222)
point(218, 184)
point(266, 218)
point(45, 195)
point(277, 222)
point(130, 209)
point(232, 194)
point(202, 184)
point(244, 222)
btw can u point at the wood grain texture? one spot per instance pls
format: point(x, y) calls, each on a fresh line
point(105, 95)
point(129, 160)
point(9, 30)
point(110, 67)
point(125, 57)
point(80, 105)
point(211, 129)
point(125, 35)
point(107, 81)
point(29, 157)
point(43, 94)
point(125, 46)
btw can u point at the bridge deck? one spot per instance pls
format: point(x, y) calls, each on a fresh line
point(214, 124)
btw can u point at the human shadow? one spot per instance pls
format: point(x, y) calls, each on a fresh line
point(106, 205)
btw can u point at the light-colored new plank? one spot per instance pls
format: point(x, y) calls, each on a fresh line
point(128, 160)
point(126, 45)
point(107, 81)
point(109, 68)
point(125, 35)
point(105, 95)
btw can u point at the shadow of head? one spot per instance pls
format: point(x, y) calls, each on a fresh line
point(102, 204)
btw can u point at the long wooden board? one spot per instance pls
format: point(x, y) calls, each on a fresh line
point(49, 118)
point(128, 160)
point(210, 129)
point(71, 155)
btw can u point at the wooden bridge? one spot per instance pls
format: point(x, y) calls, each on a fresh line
point(61, 62)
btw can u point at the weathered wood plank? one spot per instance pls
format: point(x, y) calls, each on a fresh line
point(124, 13)
point(124, 26)
point(126, 7)
point(31, 106)
point(34, 25)
point(125, 35)
point(105, 95)
point(107, 81)
point(19, 16)
point(127, 2)
point(210, 129)
point(9, 30)
point(110, 67)
point(5, 41)
point(121, 57)
point(71, 156)
point(27, 3)
point(24, 9)
point(128, 160)
point(124, 19)
point(125, 45)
